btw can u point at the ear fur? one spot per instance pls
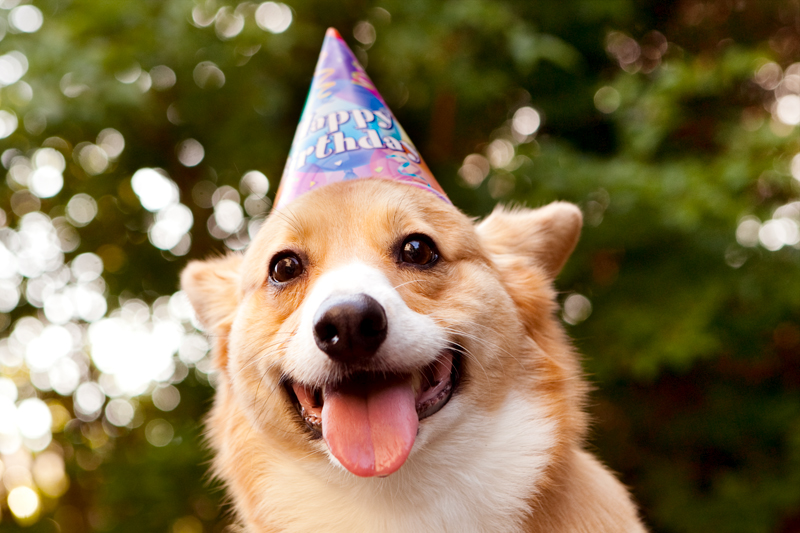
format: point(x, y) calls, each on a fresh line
point(213, 288)
point(546, 236)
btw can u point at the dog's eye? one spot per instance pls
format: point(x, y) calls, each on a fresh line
point(285, 268)
point(418, 250)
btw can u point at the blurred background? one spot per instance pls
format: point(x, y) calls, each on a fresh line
point(135, 136)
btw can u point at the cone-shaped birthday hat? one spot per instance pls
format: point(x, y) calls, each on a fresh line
point(347, 132)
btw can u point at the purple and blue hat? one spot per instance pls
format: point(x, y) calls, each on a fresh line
point(347, 132)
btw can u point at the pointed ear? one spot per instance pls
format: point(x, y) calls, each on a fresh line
point(546, 235)
point(213, 288)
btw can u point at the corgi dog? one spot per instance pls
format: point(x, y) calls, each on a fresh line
point(387, 364)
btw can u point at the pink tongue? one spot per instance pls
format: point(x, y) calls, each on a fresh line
point(370, 427)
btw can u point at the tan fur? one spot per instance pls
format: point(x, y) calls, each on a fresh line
point(505, 454)
point(218, 282)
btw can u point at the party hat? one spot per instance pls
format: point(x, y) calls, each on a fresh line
point(347, 132)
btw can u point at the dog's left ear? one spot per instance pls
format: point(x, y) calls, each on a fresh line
point(213, 288)
point(545, 236)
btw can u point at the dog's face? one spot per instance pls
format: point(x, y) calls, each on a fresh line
point(369, 318)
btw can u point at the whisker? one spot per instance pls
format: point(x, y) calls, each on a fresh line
point(275, 363)
point(484, 341)
point(480, 340)
point(412, 281)
point(289, 216)
point(467, 353)
point(256, 357)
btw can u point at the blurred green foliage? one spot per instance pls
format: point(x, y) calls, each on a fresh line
point(669, 123)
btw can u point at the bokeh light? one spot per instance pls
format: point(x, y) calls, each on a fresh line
point(86, 267)
point(207, 75)
point(92, 158)
point(46, 182)
point(500, 152)
point(8, 123)
point(81, 209)
point(577, 308)
point(795, 167)
point(163, 77)
point(474, 169)
point(274, 17)
point(129, 74)
point(47, 346)
point(8, 389)
point(783, 229)
point(777, 233)
point(255, 205)
point(526, 121)
point(10, 438)
point(159, 432)
point(33, 418)
point(65, 376)
point(13, 65)
point(228, 23)
point(155, 190)
point(364, 32)
point(254, 182)
point(26, 18)
point(202, 16)
point(49, 157)
point(49, 474)
point(134, 350)
point(187, 524)
point(769, 75)
point(747, 231)
point(190, 152)
point(788, 109)
point(111, 142)
point(71, 87)
point(23, 502)
point(119, 412)
point(88, 401)
point(625, 50)
point(166, 397)
point(171, 225)
point(193, 348)
point(228, 215)
point(21, 94)
point(607, 99)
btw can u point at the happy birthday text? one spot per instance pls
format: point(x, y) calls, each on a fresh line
point(335, 142)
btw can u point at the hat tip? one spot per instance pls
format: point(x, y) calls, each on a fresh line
point(332, 32)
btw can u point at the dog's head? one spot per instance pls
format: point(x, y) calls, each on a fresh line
point(369, 318)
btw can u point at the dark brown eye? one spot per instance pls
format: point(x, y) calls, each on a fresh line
point(285, 268)
point(418, 250)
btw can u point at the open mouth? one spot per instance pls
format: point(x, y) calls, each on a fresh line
point(370, 419)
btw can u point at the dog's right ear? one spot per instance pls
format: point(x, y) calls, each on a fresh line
point(528, 247)
point(213, 288)
point(545, 236)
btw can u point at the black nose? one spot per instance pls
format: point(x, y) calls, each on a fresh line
point(350, 329)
